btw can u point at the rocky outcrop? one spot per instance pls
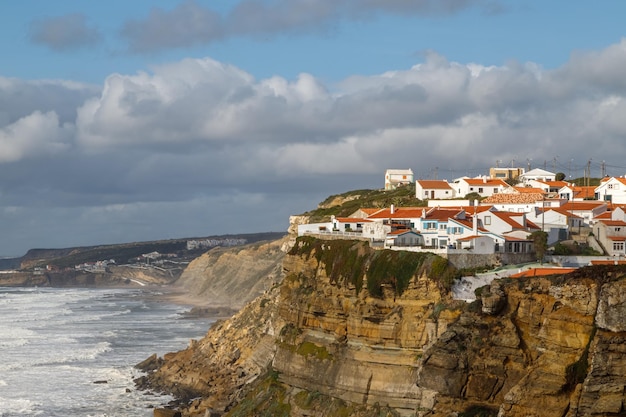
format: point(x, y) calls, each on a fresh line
point(346, 334)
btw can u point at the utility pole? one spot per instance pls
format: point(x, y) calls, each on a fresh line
point(569, 168)
point(603, 165)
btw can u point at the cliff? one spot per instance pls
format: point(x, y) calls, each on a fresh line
point(352, 331)
point(232, 277)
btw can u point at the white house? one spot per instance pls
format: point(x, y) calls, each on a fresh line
point(395, 178)
point(557, 222)
point(404, 238)
point(484, 186)
point(433, 189)
point(587, 210)
point(548, 187)
point(611, 234)
point(537, 174)
point(477, 244)
point(577, 193)
point(612, 189)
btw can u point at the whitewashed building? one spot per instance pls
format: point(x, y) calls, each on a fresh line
point(395, 178)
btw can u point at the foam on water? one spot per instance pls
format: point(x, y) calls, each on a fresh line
point(55, 343)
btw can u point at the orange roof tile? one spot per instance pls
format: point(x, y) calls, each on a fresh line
point(582, 205)
point(617, 238)
point(508, 217)
point(434, 184)
point(488, 182)
point(538, 272)
point(528, 190)
point(351, 220)
point(613, 222)
point(607, 262)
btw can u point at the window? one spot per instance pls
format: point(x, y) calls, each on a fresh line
point(495, 191)
point(617, 229)
point(618, 246)
point(610, 186)
point(442, 227)
point(487, 220)
point(480, 189)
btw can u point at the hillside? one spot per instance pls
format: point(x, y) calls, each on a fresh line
point(345, 204)
point(123, 252)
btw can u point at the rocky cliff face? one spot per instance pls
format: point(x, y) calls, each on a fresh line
point(346, 334)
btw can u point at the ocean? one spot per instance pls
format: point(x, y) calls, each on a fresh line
point(59, 346)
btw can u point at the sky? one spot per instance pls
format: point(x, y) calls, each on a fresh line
point(131, 121)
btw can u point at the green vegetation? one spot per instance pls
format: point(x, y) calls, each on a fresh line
point(348, 262)
point(313, 350)
point(586, 181)
point(124, 252)
point(268, 399)
point(562, 248)
point(354, 200)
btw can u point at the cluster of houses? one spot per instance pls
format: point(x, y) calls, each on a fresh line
point(486, 215)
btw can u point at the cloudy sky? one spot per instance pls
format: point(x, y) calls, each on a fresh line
point(137, 120)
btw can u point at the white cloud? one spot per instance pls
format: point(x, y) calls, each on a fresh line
point(33, 136)
point(189, 131)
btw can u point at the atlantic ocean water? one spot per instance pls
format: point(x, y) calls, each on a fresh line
point(59, 346)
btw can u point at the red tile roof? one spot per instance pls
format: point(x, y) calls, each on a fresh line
point(613, 222)
point(529, 190)
point(487, 182)
point(351, 220)
point(582, 205)
point(607, 262)
point(537, 272)
point(434, 184)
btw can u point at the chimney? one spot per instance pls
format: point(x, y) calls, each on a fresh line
point(475, 224)
point(484, 179)
point(423, 213)
point(392, 209)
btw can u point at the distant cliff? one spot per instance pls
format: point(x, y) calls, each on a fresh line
point(355, 332)
point(231, 277)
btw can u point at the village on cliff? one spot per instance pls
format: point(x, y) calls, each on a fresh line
point(490, 219)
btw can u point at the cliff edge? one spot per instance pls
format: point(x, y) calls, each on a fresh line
point(353, 331)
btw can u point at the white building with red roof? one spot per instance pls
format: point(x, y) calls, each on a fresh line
point(611, 234)
point(612, 189)
point(587, 210)
point(484, 186)
point(433, 189)
point(577, 193)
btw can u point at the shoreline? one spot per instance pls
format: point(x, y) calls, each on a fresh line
point(198, 307)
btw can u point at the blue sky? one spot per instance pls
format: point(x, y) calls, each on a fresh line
point(124, 121)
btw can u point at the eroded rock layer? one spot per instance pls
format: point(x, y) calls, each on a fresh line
point(343, 335)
